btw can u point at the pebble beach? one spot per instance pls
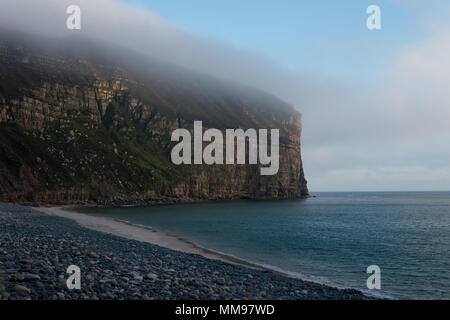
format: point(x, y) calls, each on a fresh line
point(37, 248)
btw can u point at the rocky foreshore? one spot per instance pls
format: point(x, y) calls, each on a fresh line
point(36, 250)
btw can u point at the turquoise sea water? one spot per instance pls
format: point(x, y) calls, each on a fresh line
point(331, 238)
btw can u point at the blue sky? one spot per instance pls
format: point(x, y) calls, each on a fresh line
point(328, 37)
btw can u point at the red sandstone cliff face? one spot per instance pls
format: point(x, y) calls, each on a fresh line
point(92, 134)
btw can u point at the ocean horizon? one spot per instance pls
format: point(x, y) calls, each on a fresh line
point(330, 237)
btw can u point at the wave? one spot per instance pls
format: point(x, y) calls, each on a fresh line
point(134, 224)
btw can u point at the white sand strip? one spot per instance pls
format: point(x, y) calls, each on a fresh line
point(128, 231)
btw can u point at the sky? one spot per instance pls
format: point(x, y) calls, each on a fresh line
point(375, 104)
point(299, 35)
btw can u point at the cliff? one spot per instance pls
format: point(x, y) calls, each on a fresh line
point(87, 125)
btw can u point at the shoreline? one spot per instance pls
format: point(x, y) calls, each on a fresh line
point(135, 202)
point(130, 231)
point(123, 261)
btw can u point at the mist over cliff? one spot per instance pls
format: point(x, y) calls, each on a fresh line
point(86, 120)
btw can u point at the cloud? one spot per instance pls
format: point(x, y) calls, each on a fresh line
point(393, 133)
point(146, 32)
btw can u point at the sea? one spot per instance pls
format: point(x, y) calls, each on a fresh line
point(330, 238)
